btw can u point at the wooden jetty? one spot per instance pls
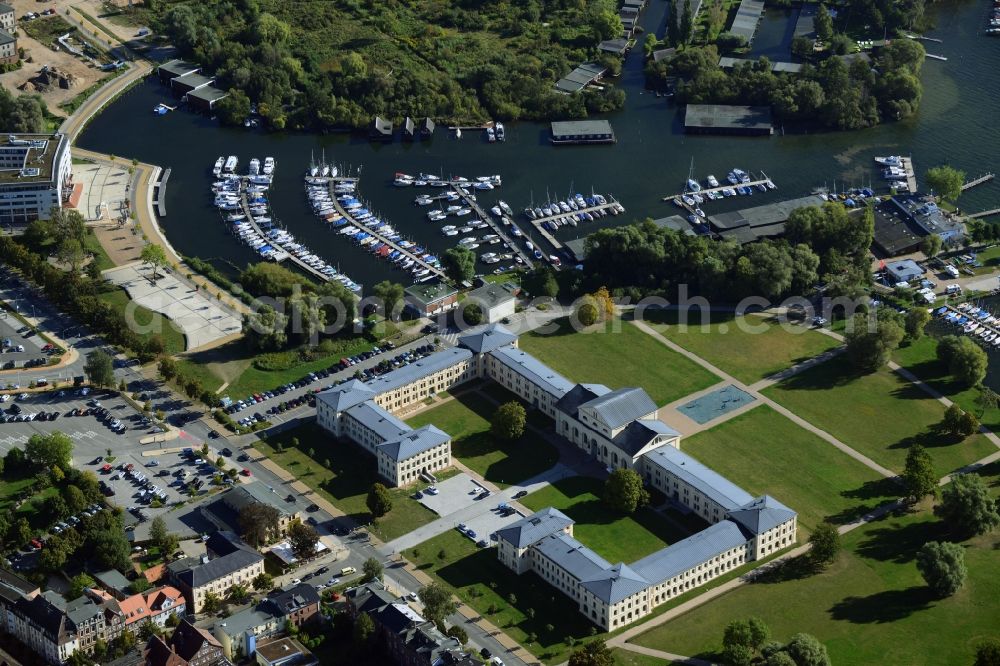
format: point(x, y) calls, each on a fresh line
point(498, 229)
point(935, 57)
point(437, 272)
point(984, 213)
point(161, 188)
point(763, 180)
point(911, 176)
point(986, 177)
point(547, 235)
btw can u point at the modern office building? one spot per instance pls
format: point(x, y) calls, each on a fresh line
point(35, 176)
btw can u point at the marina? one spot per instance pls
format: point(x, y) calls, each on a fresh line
point(898, 169)
point(978, 323)
point(739, 179)
point(498, 229)
point(583, 209)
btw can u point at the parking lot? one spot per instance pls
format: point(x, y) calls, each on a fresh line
point(453, 494)
point(20, 347)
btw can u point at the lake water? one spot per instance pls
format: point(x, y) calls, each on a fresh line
point(651, 159)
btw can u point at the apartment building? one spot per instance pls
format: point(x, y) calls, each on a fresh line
point(255, 492)
point(240, 634)
point(229, 562)
point(35, 176)
point(188, 645)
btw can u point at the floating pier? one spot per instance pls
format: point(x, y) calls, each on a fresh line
point(547, 235)
point(911, 176)
point(374, 233)
point(984, 213)
point(763, 180)
point(985, 178)
point(161, 187)
point(528, 260)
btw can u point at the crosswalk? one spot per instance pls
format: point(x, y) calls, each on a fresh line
point(14, 440)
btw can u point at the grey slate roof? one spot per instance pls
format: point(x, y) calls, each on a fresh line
point(288, 600)
point(533, 370)
point(579, 394)
point(762, 514)
point(616, 583)
point(350, 393)
point(219, 567)
point(622, 406)
point(368, 597)
point(577, 560)
point(683, 555)
point(710, 483)
point(256, 492)
point(247, 619)
point(6, 37)
point(414, 442)
point(486, 339)
point(638, 434)
point(82, 609)
point(535, 527)
point(381, 422)
point(49, 618)
point(425, 367)
point(113, 580)
point(5, 8)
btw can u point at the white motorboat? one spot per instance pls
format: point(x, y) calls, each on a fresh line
point(231, 163)
point(217, 169)
point(712, 181)
point(268, 165)
point(254, 167)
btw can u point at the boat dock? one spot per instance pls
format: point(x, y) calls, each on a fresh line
point(985, 178)
point(991, 327)
point(763, 180)
point(287, 255)
point(911, 176)
point(984, 213)
point(161, 188)
point(368, 230)
point(935, 57)
point(498, 228)
point(547, 235)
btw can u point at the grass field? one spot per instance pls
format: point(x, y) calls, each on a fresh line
point(627, 658)
point(764, 452)
point(466, 417)
point(869, 607)
point(345, 482)
point(880, 415)
point(627, 357)
point(615, 537)
point(153, 322)
point(101, 258)
point(749, 349)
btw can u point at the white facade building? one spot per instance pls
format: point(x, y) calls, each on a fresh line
point(36, 173)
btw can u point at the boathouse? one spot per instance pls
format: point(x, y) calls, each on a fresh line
point(182, 85)
point(582, 131)
point(427, 128)
point(409, 129)
point(727, 119)
point(580, 78)
point(380, 130)
point(776, 66)
point(430, 298)
point(498, 301)
point(616, 46)
point(205, 98)
point(747, 19)
point(752, 224)
point(175, 68)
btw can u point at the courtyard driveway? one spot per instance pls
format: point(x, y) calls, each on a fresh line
point(202, 320)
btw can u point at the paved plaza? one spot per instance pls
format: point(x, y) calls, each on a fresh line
point(105, 192)
point(202, 320)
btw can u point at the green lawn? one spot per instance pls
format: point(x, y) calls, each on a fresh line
point(765, 453)
point(627, 357)
point(149, 322)
point(613, 536)
point(879, 414)
point(466, 417)
point(920, 358)
point(346, 481)
point(627, 658)
point(869, 607)
point(749, 348)
point(101, 258)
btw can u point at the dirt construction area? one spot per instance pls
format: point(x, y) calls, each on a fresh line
point(71, 74)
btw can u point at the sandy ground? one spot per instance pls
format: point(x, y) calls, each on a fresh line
point(97, 9)
point(37, 55)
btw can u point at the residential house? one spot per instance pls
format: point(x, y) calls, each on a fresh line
point(188, 645)
point(234, 563)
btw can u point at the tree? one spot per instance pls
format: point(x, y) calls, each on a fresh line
point(212, 603)
point(372, 569)
point(78, 584)
point(263, 582)
point(806, 650)
point(988, 653)
point(238, 594)
point(379, 501)
point(687, 23)
point(364, 628)
point(823, 23)
point(869, 345)
point(71, 252)
point(916, 320)
point(161, 538)
point(111, 550)
point(154, 256)
point(53, 450)
point(987, 399)
point(508, 421)
point(437, 602)
point(586, 313)
point(942, 564)
point(390, 295)
point(594, 653)
point(967, 506)
point(958, 422)
point(140, 585)
point(623, 491)
point(931, 245)
point(825, 542)
point(459, 264)
point(303, 538)
point(968, 362)
point(473, 314)
point(458, 633)
point(945, 181)
point(75, 499)
point(99, 368)
point(918, 477)
point(167, 368)
point(257, 523)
